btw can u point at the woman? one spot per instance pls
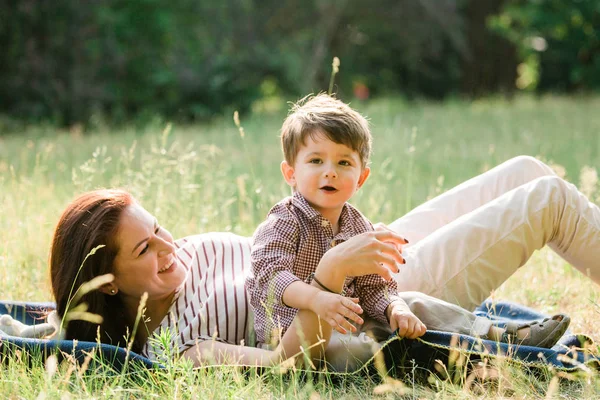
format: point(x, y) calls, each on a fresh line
point(141, 255)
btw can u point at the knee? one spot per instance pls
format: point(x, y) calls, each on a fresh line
point(551, 188)
point(349, 353)
point(531, 164)
point(553, 182)
point(375, 330)
point(417, 302)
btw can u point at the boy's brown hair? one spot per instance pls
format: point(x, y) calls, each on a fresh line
point(323, 115)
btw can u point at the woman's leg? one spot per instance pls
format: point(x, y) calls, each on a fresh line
point(463, 261)
point(469, 195)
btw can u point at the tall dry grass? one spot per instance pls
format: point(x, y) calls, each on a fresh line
point(212, 178)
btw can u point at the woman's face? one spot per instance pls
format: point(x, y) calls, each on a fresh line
point(146, 259)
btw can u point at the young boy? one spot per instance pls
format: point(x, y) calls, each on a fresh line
point(326, 147)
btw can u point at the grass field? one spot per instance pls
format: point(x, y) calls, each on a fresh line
point(204, 178)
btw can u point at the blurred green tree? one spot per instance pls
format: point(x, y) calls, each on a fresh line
point(67, 60)
point(558, 42)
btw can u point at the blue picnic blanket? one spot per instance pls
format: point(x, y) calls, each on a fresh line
point(32, 313)
point(569, 354)
point(399, 354)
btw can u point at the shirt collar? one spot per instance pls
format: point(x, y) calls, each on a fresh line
point(302, 204)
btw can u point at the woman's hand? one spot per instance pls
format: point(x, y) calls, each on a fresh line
point(212, 352)
point(403, 320)
point(337, 310)
point(380, 226)
point(376, 252)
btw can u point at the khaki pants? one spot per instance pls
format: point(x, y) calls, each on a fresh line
point(468, 241)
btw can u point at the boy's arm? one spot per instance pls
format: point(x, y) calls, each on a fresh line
point(300, 295)
point(376, 294)
point(272, 257)
point(403, 320)
point(381, 301)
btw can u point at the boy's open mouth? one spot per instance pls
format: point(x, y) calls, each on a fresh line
point(328, 188)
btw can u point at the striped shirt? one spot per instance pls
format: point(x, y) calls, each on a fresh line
point(212, 302)
point(287, 247)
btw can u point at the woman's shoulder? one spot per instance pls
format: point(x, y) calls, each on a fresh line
point(227, 238)
point(213, 250)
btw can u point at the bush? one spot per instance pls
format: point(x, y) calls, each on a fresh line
point(559, 42)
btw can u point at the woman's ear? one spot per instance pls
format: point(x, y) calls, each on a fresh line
point(363, 177)
point(109, 288)
point(288, 173)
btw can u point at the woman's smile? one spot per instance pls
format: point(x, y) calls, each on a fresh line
point(170, 267)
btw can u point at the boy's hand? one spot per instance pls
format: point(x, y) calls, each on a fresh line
point(402, 319)
point(337, 311)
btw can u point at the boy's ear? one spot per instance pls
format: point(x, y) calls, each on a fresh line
point(288, 173)
point(363, 177)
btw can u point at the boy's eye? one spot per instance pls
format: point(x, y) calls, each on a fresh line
point(315, 161)
point(344, 162)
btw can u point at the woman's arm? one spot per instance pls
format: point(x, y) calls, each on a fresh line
point(211, 352)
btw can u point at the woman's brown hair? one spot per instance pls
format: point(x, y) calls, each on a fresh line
point(91, 220)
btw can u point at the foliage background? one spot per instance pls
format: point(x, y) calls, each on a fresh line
point(70, 61)
point(89, 88)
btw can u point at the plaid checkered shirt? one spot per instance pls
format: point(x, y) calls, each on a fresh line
point(287, 247)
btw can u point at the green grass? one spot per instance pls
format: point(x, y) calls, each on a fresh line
point(204, 178)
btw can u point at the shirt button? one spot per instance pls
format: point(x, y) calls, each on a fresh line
point(333, 243)
point(324, 223)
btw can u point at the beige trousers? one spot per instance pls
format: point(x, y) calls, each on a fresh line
point(468, 241)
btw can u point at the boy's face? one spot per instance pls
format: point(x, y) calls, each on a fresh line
point(327, 174)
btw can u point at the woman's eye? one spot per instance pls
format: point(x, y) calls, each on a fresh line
point(157, 230)
point(144, 250)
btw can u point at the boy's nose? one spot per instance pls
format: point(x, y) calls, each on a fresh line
point(331, 173)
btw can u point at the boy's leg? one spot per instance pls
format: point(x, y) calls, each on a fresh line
point(440, 315)
point(464, 198)
point(463, 261)
point(347, 353)
point(350, 352)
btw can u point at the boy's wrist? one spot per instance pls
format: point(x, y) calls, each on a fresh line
point(396, 303)
point(329, 272)
point(301, 295)
point(320, 284)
